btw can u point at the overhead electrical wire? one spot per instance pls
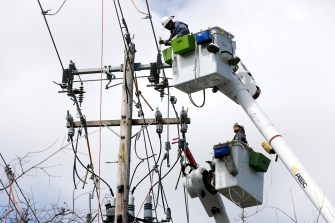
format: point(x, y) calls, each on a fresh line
point(174, 164)
point(98, 178)
point(146, 152)
point(53, 41)
point(159, 189)
point(57, 10)
point(159, 52)
point(24, 197)
point(75, 172)
point(152, 26)
point(83, 120)
point(138, 9)
point(87, 169)
point(124, 42)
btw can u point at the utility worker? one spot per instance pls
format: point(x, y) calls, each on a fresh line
point(177, 29)
point(239, 133)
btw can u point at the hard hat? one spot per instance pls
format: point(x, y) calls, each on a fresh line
point(166, 19)
point(241, 126)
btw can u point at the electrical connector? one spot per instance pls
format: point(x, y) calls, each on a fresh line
point(159, 120)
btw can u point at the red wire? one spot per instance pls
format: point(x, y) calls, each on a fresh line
point(101, 67)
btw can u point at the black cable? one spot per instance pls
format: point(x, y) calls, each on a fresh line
point(83, 121)
point(135, 149)
point(124, 42)
point(21, 192)
point(110, 189)
point(159, 175)
point(57, 10)
point(146, 152)
point(75, 160)
point(123, 20)
point(127, 53)
point(144, 120)
point(94, 217)
point(132, 191)
point(152, 151)
point(167, 172)
point(132, 177)
point(164, 195)
point(164, 198)
point(158, 50)
point(53, 41)
point(159, 189)
point(152, 26)
point(153, 31)
point(198, 106)
point(74, 166)
point(74, 173)
point(142, 159)
point(160, 147)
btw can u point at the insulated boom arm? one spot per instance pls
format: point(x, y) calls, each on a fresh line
point(235, 89)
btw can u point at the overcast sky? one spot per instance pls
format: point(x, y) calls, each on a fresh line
point(287, 45)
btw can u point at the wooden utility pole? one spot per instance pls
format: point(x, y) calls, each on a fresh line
point(122, 195)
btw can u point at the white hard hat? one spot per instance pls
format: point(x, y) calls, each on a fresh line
point(166, 19)
point(241, 126)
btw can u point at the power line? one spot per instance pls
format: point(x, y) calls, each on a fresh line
point(138, 9)
point(152, 26)
point(53, 41)
point(87, 169)
point(21, 192)
point(57, 10)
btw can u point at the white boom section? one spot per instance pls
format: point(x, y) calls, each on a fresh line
point(235, 89)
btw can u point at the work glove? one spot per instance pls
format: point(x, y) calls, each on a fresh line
point(161, 41)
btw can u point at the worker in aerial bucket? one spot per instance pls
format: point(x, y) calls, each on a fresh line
point(177, 29)
point(239, 133)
